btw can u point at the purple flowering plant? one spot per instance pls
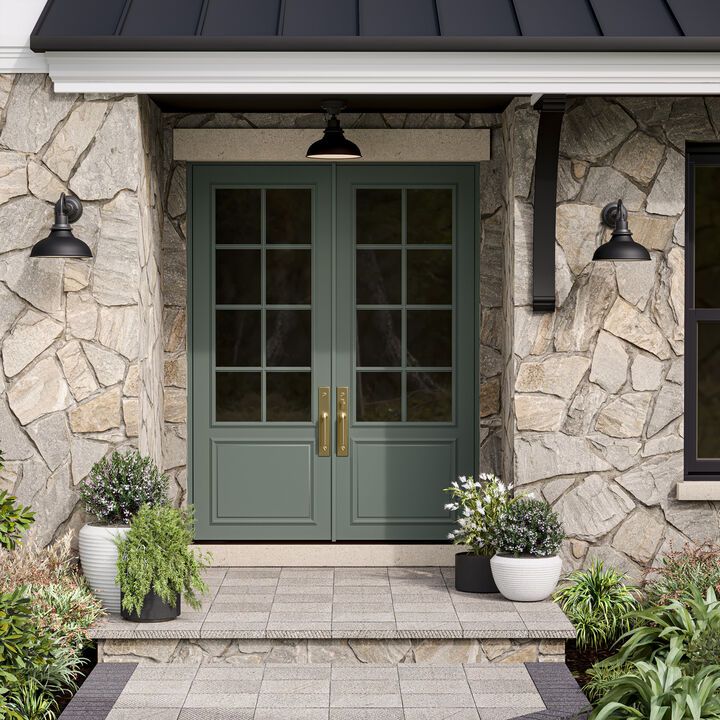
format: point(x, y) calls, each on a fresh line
point(527, 527)
point(120, 485)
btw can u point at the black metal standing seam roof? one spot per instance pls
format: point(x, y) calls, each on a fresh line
point(451, 25)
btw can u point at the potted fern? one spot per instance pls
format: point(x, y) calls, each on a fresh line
point(156, 565)
point(112, 494)
point(527, 538)
point(478, 504)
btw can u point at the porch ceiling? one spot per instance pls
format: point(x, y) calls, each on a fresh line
point(408, 25)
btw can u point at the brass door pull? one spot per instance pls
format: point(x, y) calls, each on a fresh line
point(324, 422)
point(341, 402)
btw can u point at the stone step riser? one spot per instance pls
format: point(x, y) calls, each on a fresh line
point(359, 651)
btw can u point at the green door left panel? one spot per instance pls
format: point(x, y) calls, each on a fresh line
point(261, 258)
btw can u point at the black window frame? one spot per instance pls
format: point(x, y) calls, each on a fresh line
point(697, 155)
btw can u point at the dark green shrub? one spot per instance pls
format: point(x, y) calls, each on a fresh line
point(156, 555)
point(527, 527)
point(704, 649)
point(14, 519)
point(118, 487)
point(598, 604)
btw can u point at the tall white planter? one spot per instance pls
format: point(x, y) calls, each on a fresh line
point(526, 578)
point(98, 556)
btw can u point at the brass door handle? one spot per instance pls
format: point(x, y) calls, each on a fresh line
point(341, 401)
point(324, 422)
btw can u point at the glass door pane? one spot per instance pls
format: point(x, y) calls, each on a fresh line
point(263, 304)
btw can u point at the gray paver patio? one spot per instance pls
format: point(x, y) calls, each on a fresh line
point(384, 603)
point(325, 691)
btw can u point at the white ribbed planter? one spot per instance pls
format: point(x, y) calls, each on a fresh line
point(526, 578)
point(98, 556)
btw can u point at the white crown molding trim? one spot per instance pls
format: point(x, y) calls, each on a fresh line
point(19, 59)
point(345, 73)
point(289, 145)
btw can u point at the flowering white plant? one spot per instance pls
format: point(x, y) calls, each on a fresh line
point(478, 503)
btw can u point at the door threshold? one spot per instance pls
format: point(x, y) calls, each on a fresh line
point(330, 555)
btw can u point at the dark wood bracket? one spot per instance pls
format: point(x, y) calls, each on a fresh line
point(552, 110)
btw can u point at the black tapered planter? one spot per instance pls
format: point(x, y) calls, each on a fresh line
point(154, 609)
point(473, 574)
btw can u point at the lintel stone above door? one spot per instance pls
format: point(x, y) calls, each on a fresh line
point(289, 145)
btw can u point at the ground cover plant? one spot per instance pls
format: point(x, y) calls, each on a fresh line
point(45, 611)
point(666, 666)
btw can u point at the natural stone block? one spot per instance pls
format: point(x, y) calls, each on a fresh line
point(539, 412)
point(556, 375)
point(51, 435)
point(640, 158)
point(109, 367)
point(85, 453)
point(549, 455)
point(33, 333)
point(609, 363)
point(77, 370)
point(113, 161)
point(663, 445)
point(10, 307)
point(625, 321)
point(33, 112)
point(39, 391)
point(556, 488)
point(131, 416)
point(636, 283)
point(175, 373)
point(117, 264)
point(131, 388)
point(667, 196)
point(621, 453)
point(15, 444)
point(698, 521)
point(593, 508)
point(119, 330)
point(177, 195)
point(53, 505)
point(605, 184)
point(98, 414)
point(579, 231)
point(13, 175)
point(76, 276)
point(74, 137)
point(639, 536)
point(43, 184)
point(174, 324)
point(668, 406)
point(652, 481)
point(593, 129)
point(489, 397)
point(40, 282)
point(579, 320)
point(81, 313)
point(24, 221)
point(624, 417)
point(646, 373)
point(583, 409)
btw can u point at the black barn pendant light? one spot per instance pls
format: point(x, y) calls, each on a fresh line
point(333, 145)
point(61, 243)
point(620, 246)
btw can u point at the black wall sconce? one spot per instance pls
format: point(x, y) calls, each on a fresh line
point(61, 243)
point(620, 246)
point(333, 145)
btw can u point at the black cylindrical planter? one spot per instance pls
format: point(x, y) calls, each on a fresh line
point(153, 610)
point(473, 574)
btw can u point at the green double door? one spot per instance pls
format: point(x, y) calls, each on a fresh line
point(333, 349)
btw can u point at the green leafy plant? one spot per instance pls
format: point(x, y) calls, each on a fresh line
point(15, 519)
point(704, 649)
point(478, 504)
point(680, 572)
point(155, 555)
point(602, 678)
point(660, 690)
point(32, 702)
point(118, 487)
point(527, 527)
point(598, 603)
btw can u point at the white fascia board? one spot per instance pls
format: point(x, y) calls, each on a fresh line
point(345, 73)
point(17, 19)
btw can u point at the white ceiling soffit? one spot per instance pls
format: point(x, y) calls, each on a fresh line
point(344, 73)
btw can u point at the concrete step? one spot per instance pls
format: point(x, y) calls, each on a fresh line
point(360, 615)
point(328, 692)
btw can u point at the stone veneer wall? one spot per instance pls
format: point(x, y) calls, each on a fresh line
point(78, 339)
point(493, 209)
point(596, 418)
